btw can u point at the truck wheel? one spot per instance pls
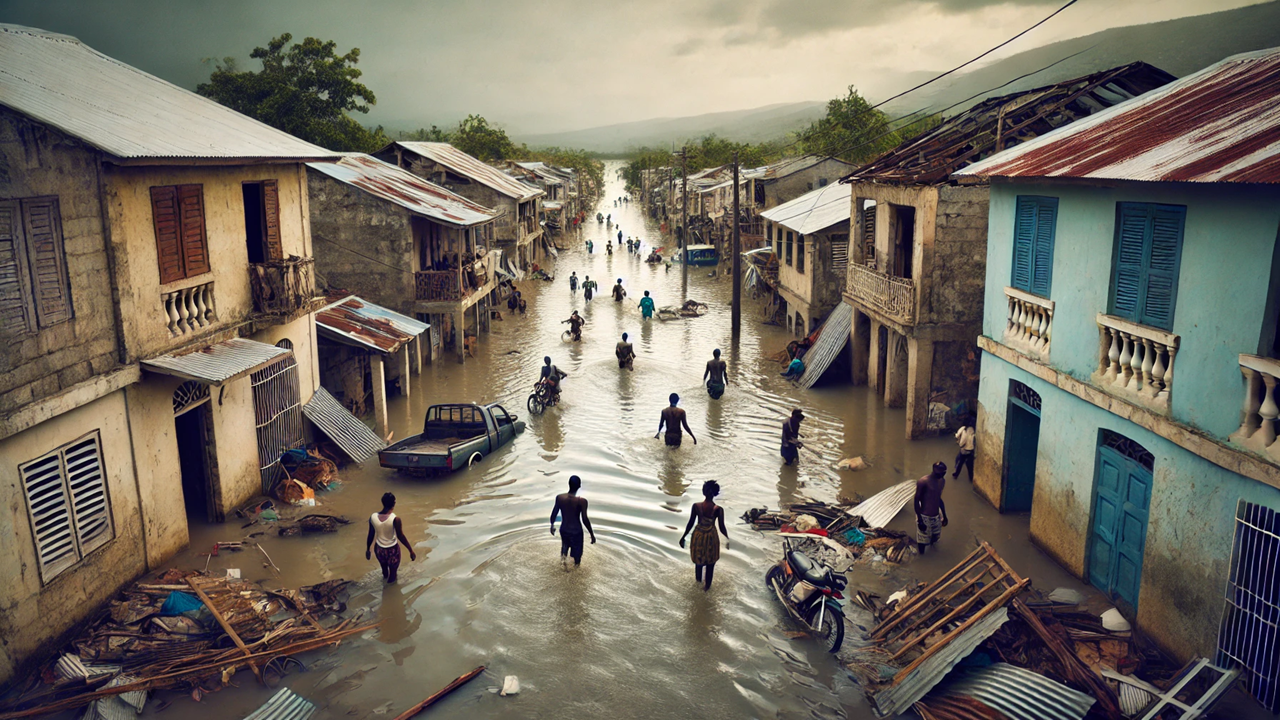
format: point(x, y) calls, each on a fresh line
point(475, 458)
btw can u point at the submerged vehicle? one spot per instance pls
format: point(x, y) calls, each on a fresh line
point(701, 255)
point(811, 594)
point(453, 436)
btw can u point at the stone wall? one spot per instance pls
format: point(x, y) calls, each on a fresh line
point(957, 273)
point(505, 227)
point(790, 187)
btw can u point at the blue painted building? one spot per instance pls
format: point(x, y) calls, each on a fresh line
point(1131, 350)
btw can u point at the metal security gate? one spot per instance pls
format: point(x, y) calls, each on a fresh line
point(1249, 637)
point(277, 412)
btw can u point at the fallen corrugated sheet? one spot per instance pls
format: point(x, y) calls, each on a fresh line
point(121, 110)
point(126, 706)
point(344, 429)
point(877, 510)
point(284, 705)
point(832, 337)
point(356, 321)
point(1221, 124)
point(220, 363)
point(403, 188)
point(815, 210)
point(469, 167)
point(1017, 693)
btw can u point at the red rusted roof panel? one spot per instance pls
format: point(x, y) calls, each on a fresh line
point(405, 189)
point(355, 321)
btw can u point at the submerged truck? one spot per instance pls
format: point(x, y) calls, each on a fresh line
point(453, 436)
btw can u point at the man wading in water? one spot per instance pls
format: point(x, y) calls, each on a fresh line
point(626, 354)
point(716, 375)
point(385, 535)
point(931, 512)
point(618, 291)
point(674, 418)
point(574, 509)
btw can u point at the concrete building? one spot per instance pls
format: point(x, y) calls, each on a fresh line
point(916, 270)
point(788, 179)
point(156, 303)
point(1132, 243)
point(518, 205)
point(406, 244)
point(810, 237)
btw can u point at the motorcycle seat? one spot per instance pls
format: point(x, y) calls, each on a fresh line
point(808, 570)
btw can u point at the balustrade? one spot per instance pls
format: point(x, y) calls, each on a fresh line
point(1136, 360)
point(282, 287)
point(438, 285)
point(1260, 410)
point(893, 296)
point(1030, 322)
point(189, 309)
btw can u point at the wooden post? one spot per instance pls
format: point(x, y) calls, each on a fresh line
point(379, 372)
point(684, 219)
point(457, 683)
point(736, 316)
point(213, 610)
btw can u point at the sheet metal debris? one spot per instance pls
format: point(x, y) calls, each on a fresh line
point(833, 335)
point(879, 509)
point(344, 429)
point(1015, 692)
point(284, 705)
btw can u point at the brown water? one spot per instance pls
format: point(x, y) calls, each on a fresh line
point(629, 634)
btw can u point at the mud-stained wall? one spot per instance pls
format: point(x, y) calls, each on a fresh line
point(35, 615)
point(150, 406)
point(957, 269)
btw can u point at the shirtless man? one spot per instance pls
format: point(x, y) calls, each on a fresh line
point(931, 512)
point(716, 375)
point(673, 418)
point(618, 291)
point(626, 353)
point(574, 509)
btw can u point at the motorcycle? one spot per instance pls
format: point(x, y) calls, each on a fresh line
point(811, 594)
point(542, 398)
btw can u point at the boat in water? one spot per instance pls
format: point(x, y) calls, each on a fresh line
point(700, 255)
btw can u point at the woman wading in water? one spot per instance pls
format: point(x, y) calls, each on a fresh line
point(704, 549)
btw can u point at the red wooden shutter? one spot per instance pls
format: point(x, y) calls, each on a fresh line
point(271, 211)
point(195, 248)
point(16, 314)
point(47, 259)
point(164, 212)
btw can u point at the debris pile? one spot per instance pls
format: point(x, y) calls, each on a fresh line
point(305, 474)
point(855, 527)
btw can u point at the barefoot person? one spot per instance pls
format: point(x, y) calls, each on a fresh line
point(673, 418)
point(791, 437)
point(618, 291)
point(931, 512)
point(716, 375)
point(626, 353)
point(385, 535)
point(574, 510)
point(704, 549)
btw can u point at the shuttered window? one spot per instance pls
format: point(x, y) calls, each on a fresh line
point(34, 290)
point(1034, 225)
point(271, 207)
point(1148, 253)
point(68, 504)
point(182, 249)
point(800, 251)
point(791, 241)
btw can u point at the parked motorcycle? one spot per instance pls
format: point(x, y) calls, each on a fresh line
point(811, 594)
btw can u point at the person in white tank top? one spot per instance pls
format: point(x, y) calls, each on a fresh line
point(385, 536)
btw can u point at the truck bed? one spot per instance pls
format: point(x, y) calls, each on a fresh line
point(422, 446)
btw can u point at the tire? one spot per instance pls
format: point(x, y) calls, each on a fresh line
point(775, 573)
point(535, 404)
point(475, 458)
point(566, 337)
point(832, 630)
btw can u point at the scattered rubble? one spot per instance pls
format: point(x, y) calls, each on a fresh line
point(845, 527)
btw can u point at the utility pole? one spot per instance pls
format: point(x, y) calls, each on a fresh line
point(736, 321)
point(684, 217)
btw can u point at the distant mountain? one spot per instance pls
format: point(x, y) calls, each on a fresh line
point(762, 123)
point(1179, 47)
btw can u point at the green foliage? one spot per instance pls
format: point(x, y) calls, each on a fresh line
point(435, 134)
point(476, 137)
point(588, 167)
point(851, 130)
point(709, 151)
point(305, 89)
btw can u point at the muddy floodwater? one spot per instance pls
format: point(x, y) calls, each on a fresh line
point(629, 634)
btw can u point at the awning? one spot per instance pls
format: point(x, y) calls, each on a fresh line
point(220, 363)
point(356, 321)
point(832, 337)
point(344, 429)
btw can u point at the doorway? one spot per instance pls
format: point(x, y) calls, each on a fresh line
point(904, 240)
point(1118, 533)
point(1022, 441)
point(193, 428)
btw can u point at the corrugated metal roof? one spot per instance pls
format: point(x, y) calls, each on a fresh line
point(1001, 122)
point(355, 321)
point(1221, 124)
point(832, 337)
point(786, 167)
point(543, 171)
point(468, 166)
point(220, 363)
point(814, 210)
point(877, 510)
point(1018, 693)
point(284, 705)
point(61, 82)
point(399, 186)
point(344, 429)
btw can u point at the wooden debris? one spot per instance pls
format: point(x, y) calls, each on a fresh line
point(457, 683)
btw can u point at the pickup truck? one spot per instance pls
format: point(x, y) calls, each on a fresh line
point(453, 436)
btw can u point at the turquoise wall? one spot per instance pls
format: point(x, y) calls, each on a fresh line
point(1228, 243)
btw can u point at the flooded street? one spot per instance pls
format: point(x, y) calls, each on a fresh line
point(630, 633)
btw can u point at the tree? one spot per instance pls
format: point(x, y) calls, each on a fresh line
point(476, 137)
point(305, 89)
point(435, 134)
point(851, 130)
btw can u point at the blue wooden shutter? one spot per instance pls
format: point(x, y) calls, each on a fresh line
point(1130, 265)
point(1024, 234)
point(1162, 266)
point(1042, 264)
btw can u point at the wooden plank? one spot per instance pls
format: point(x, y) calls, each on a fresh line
point(457, 683)
point(924, 616)
point(985, 611)
point(225, 625)
point(946, 619)
point(912, 604)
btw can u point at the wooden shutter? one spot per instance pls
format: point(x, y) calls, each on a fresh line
point(164, 214)
point(271, 218)
point(87, 484)
point(195, 248)
point(1131, 237)
point(1042, 253)
point(1162, 265)
point(800, 252)
point(43, 225)
point(16, 312)
point(1024, 242)
point(44, 482)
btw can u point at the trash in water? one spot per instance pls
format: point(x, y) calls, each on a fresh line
point(510, 686)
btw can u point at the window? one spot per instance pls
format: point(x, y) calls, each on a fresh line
point(869, 233)
point(34, 292)
point(68, 505)
point(262, 221)
point(1033, 227)
point(822, 182)
point(790, 243)
point(181, 247)
point(800, 251)
point(1144, 285)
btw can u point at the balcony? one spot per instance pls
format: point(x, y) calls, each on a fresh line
point(1259, 412)
point(451, 285)
point(189, 310)
point(282, 287)
point(894, 297)
point(1136, 361)
point(1029, 325)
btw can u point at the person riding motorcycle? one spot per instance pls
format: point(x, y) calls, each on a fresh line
point(550, 378)
point(575, 325)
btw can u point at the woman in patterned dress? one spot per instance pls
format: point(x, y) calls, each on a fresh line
point(704, 549)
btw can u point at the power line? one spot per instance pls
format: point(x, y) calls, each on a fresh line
point(366, 257)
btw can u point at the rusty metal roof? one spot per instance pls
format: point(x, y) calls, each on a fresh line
point(1008, 691)
point(470, 167)
point(63, 83)
point(405, 189)
point(219, 363)
point(1004, 121)
point(1221, 124)
point(355, 321)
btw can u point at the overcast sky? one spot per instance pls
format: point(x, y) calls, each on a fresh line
point(552, 65)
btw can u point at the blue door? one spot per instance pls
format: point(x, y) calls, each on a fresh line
point(1122, 497)
point(1021, 442)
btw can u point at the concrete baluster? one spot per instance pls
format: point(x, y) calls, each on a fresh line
point(171, 311)
point(1011, 324)
point(184, 315)
point(1269, 410)
point(1112, 358)
point(202, 310)
point(1126, 357)
point(1158, 383)
point(1249, 419)
point(1168, 374)
point(1046, 336)
point(1147, 364)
